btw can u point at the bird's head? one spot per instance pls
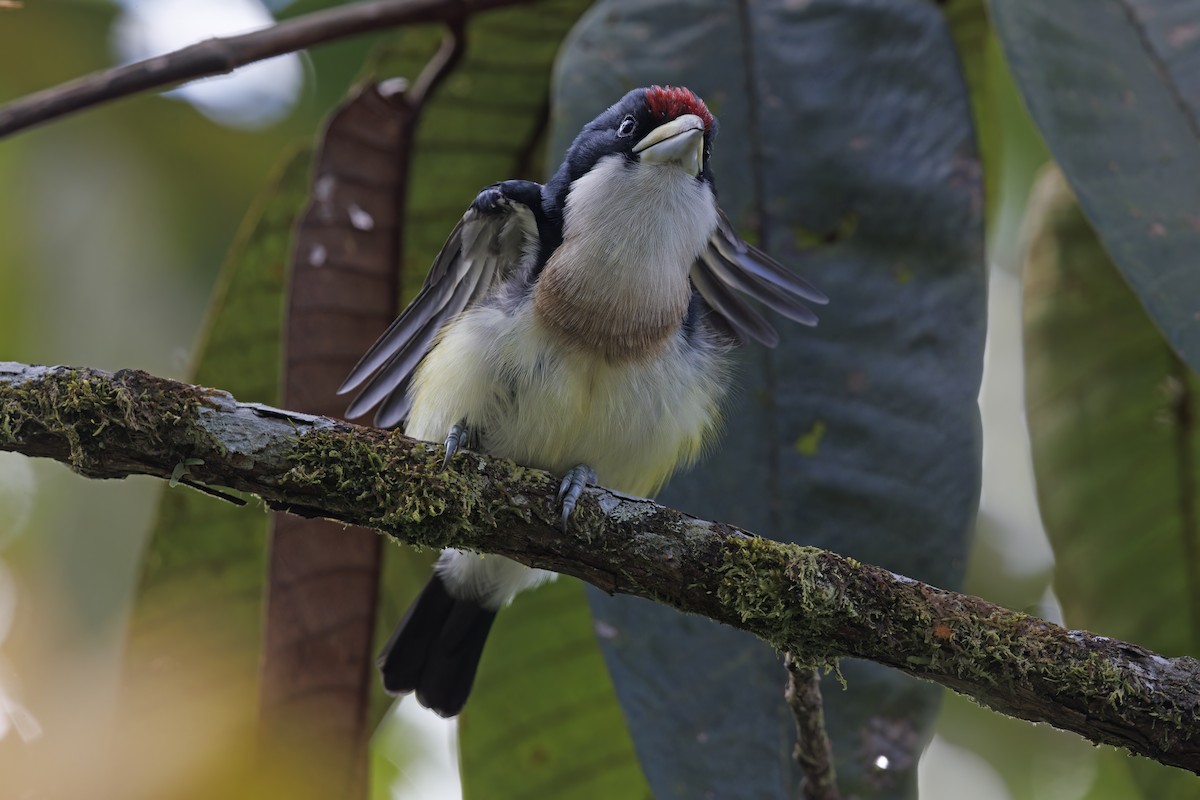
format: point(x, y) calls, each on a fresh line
point(636, 207)
point(661, 126)
point(679, 129)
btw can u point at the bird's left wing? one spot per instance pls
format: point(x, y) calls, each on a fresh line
point(484, 248)
point(730, 267)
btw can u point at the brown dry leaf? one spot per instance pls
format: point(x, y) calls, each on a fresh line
point(324, 580)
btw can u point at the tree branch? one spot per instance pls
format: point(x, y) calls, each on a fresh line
point(813, 750)
point(219, 56)
point(800, 599)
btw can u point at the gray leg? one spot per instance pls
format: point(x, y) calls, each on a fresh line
point(458, 437)
point(572, 487)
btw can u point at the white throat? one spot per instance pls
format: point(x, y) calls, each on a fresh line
point(619, 280)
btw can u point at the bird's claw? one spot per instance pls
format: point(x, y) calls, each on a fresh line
point(491, 200)
point(571, 488)
point(456, 438)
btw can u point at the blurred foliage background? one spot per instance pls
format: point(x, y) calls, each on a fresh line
point(113, 227)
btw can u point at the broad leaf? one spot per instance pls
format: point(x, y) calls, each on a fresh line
point(1009, 144)
point(1112, 85)
point(1111, 412)
point(846, 149)
point(972, 32)
point(318, 643)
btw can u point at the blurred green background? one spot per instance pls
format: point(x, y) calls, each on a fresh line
point(113, 225)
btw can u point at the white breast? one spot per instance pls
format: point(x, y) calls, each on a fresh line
point(576, 382)
point(547, 406)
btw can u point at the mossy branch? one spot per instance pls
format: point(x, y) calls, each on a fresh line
point(800, 599)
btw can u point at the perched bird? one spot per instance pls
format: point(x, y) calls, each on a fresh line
point(582, 327)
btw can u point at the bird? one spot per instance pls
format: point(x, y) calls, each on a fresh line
point(584, 327)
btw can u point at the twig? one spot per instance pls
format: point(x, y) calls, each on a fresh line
point(439, 66)
point(222, 55)
point(813, 751)
point(798, 599)
point(211, 492)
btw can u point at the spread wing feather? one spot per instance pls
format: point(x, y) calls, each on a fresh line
point(729, 265)
point(488, 243)
point(741, 319)
point(484, 247)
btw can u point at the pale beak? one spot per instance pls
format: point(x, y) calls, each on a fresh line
point(680, 141)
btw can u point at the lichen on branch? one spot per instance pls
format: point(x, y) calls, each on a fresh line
point(814, 603)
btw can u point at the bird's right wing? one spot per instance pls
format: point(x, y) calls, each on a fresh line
point(486, 245)
point(730, 267)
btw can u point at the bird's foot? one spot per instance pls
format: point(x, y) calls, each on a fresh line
point(458, 437)
point(490, 201)
point(572, 487)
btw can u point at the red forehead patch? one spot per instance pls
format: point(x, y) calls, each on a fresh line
point(669, 102)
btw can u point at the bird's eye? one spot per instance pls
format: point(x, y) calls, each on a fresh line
point(628, 126)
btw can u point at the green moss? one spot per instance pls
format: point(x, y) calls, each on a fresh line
point(979, 651)
point(779, 589)
point(798, 599)
point(1009, 651)
point(81, 406)
point(388, 483)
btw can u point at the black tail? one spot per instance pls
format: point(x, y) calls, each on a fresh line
point(436, 648)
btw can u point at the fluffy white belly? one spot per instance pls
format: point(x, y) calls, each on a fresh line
point(541, 403)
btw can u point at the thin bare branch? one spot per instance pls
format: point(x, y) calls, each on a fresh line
point(222, 55)
point(799, 599)
point(813, 751)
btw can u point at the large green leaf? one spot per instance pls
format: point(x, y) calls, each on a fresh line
point(843, 122)
point(972, 32)
point(1010, 146)
point(1112, 85)
point(1109, 409)
point(1111, 413)
point(201, 589)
